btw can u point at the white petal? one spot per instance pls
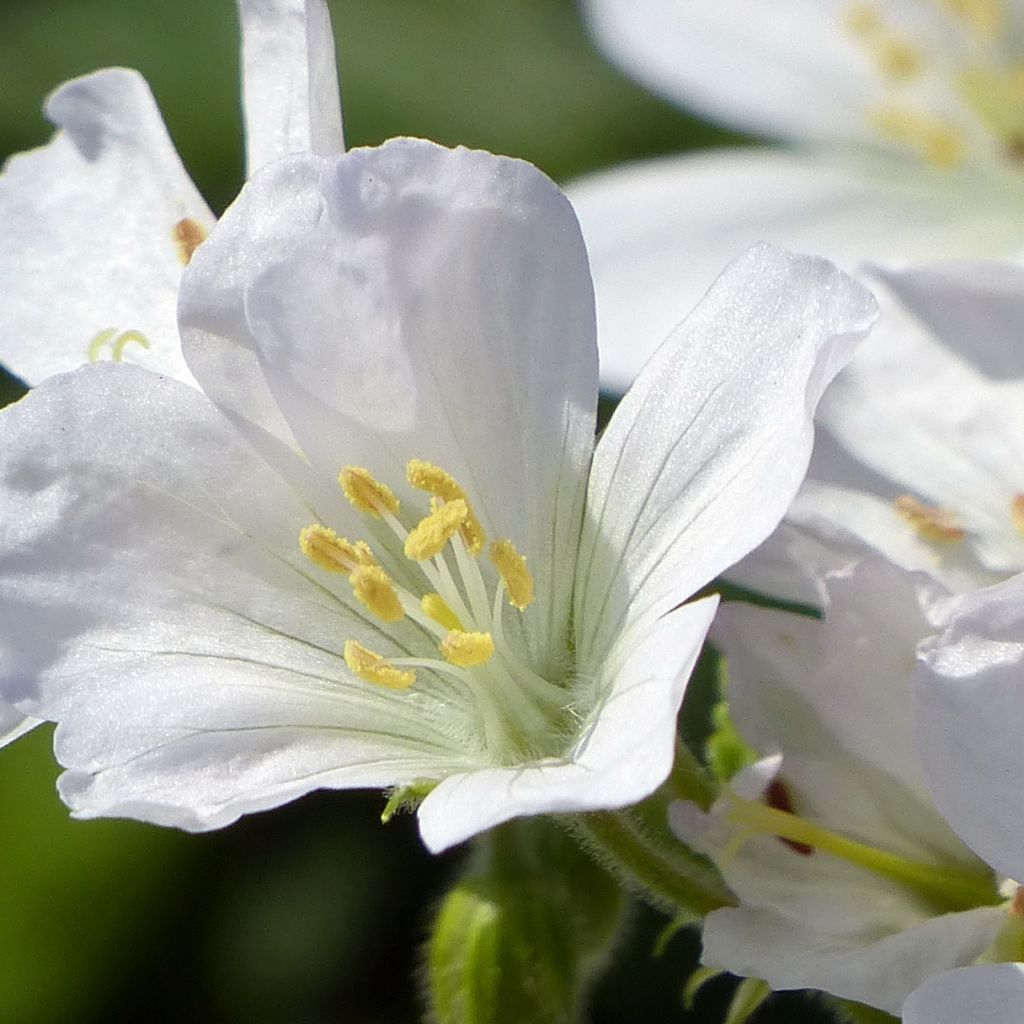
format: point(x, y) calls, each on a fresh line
point(659, 232)
point(968, 710)
point(91, 233)
point(920, 415)
point(707, 450)
point(289, 80)
point(156, 606)
point(785, 68)
point(878, 971)
point(625, 751)
point(992, 994)
point(442, 309)
point(834, 697)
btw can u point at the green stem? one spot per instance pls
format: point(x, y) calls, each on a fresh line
point(658, 866)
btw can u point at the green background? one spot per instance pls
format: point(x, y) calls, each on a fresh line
point(313, 913)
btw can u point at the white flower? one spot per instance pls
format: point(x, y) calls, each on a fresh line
point(172, 596)
point(920, 455)
point(868, 892)
point(906, 135)
point(99, 223)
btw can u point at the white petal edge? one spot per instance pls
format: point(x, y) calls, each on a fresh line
point(625, 751)
point(991, 994)
point(659, 232)
point(290, 95)
point(707, 450)
point(91, 233)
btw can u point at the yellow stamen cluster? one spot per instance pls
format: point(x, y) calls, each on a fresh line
point(321, 545)
point(375, 668)
point(897, 59)
point(467, 649)
point(118, 343)
point(367, 493)
point(1017, 511)
point(985, 18)
point(934, 524)
point(430, 535)
point(425, 476)
point(466, 640)
point(511, 567)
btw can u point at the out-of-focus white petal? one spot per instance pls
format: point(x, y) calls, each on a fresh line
point(969, 711)
point(919, 414)
point(974, 307)
point(289, 80)
point(156, 605)
point(659, 232)
point(992, 994)
point(706, 451)
point(789, 68)
point(441, 309)
point(98, 226)
point(623, 753)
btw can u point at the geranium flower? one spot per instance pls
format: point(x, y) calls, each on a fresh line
point(838, 842)
point(906, 132)
point(381, 549)
point(100, 223)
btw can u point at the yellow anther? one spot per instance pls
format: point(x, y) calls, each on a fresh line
point(936, 141)
point(430, 535)
point(425, 476)
point(935, 524)
point(511, 567)
point(320, 544)
point(997, 97)
point(1017, 511)
point(985, 18)
point(375, 668)
point(126, 338)
point(187, 235)
point(467, 649)
point(372, 585)
point(897, 59)
point(366, 492)
point(862, 19)
point(437, 608)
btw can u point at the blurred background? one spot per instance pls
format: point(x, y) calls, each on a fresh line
point(315, 913)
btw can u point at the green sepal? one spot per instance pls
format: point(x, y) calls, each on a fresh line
point(726, 752)
point(859, 1013)
point(406, 798)
point(696, 981)
point(525, 932)
point(749, 995)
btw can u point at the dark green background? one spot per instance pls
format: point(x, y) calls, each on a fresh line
point(313, 913)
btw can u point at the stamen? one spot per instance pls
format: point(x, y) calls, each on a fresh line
point(375, 668)
point(1017, 511)
point(936, 141)
point(366, 492)
point(98, 341)
point(121, 342)
point(467, 649)
point(438, 609)
point(188, 235)
point(897, 59)
point(935, 524)
point(320, 544)
point(863, 19)
point(431, 534)
point(372, 585)
point(511, 567)
point(425, 476)
point(984, 17)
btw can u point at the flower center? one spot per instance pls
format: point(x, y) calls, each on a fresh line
point(437, 585)
point(985, 76)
